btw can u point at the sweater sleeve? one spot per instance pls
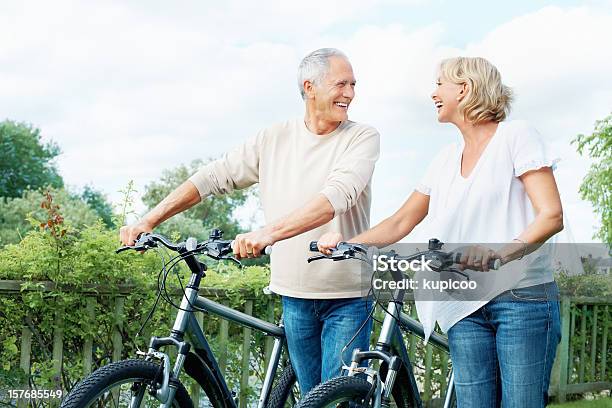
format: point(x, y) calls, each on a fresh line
point(237, 169)
point(352, 171)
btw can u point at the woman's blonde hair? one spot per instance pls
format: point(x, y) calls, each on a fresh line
point(487, 98)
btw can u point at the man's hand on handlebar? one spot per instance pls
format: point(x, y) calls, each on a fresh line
point(328, 241)
point(129, 233)
point(252, 244)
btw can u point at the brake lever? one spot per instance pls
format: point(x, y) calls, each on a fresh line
point(235, 260)
point(342, 256)
point(135, 248)
point(222, 256)
point(317, 257)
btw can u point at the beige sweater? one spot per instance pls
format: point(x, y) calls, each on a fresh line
point(292, 165)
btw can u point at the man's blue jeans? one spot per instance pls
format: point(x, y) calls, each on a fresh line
point(503, 353)
point(318, 329)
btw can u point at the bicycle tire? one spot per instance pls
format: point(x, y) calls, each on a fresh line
point(284, 390)
point(97, 386)
point(340, 391)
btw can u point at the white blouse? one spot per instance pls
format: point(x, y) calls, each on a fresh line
point(491, 207)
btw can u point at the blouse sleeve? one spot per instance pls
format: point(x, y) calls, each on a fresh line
point(529, 151)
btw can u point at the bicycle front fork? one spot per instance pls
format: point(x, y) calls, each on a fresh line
point(382, 393)
point(165, 393)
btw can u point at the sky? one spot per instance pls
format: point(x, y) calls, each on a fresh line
point(128, 89)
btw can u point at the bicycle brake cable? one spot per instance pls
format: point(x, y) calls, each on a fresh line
point(152, 310)
point(166, 296)
point(370, 314)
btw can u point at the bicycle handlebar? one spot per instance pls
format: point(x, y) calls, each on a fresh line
point(439, 259)
point(149, 240)
point(215, 247)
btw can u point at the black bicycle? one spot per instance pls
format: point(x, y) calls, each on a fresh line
point(152, 379)
point(392, 383)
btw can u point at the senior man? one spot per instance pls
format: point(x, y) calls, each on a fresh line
point(314, 176)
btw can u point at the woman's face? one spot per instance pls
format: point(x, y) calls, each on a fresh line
point(446, 97)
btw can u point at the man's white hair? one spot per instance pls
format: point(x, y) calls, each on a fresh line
point(315, 66)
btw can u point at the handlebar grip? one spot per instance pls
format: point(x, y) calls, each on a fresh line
point(267, 250)
point(494, 264)
point(313, 246)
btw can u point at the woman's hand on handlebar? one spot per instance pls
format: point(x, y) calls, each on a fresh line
point(129, 233)
point(252, 244)
point(328, 241)
point(476, 258)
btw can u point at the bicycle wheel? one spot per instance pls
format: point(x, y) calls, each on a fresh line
point(343, 392)
point(116, 384)
point(285, 392)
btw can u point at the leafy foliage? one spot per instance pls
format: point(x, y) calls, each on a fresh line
point(98, 202)
point(74, 258)
point(16, 214)
point(25, 161)
point(590, 285)
point(596, 185)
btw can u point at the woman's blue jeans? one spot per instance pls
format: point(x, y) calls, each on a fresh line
point(503, 353)
point(318, 329)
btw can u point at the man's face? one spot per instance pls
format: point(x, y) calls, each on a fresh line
point(334, 94)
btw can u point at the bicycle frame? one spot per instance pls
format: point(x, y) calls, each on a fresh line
point(390, 348)
point(202, 359)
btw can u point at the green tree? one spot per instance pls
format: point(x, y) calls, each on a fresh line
point(16, 212)
point(98, 202)
point(26, 163)
point(214, 212)
point(595, 186)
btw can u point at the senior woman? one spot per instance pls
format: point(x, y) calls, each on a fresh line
point(495, 185)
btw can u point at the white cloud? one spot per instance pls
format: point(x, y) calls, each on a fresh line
point(556, 61)
point(128, 89)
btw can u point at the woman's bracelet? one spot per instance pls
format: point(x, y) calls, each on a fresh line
point(524, 247)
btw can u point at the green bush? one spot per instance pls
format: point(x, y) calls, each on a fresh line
point(16, 213)
point(584, 285)
point(75, 258)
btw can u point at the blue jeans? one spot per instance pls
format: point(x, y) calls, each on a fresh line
point(318, 329)
point(503, 353)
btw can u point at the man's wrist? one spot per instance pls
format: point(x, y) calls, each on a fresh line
point(147, 223)
point(274, 231)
